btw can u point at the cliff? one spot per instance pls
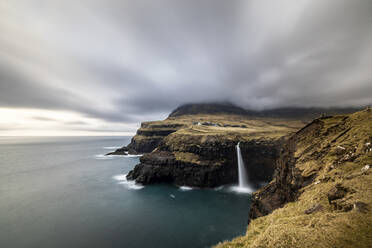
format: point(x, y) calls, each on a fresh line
point(202, 153)
point(321, 193)
point(151, 134)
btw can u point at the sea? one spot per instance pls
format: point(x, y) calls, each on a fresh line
point(63, 192)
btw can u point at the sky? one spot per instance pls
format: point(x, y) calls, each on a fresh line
point(100, 67)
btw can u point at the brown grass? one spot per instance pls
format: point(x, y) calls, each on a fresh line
point(290, 226)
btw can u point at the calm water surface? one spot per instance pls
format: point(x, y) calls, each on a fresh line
point(61, 192)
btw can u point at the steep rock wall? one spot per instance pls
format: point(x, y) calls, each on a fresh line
point(206, 161)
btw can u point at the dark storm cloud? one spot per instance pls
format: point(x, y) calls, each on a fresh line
point(125, 61)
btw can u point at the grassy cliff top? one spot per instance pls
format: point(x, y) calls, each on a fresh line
point(225, 121)
point(225, 127)
point(334, 210)
point(182, 133)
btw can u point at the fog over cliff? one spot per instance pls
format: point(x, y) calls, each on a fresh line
point(117, 62)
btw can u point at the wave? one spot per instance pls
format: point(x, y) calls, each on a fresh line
point(132, 155)
point(111, 147)
point(241, 190)
point(122, 179)
point(185, 188)
point(105, 157)
point(219, 188)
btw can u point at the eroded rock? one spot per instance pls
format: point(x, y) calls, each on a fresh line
point(210, 162)
point(337, 192)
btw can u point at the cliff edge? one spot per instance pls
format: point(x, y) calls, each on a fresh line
point(321, 193)
point(152, 133)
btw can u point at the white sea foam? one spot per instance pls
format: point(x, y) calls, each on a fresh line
point(111, 147)
point(133, 155)
point(103, 156)
point(122, 179)
point(172, 196)
point(243, 190)
point(185, 188)
point(219, 188)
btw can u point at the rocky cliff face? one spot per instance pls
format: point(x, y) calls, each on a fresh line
point(288, 179)
point(149, 136)
point(205, 155)
point(207, 162)
point(304, 154)
point(321, 193)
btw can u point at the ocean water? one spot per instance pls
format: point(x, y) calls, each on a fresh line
point(61, 192)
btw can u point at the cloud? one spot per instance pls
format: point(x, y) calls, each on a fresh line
point(24, 122)
point(130, 61)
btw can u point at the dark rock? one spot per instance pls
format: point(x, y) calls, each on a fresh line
point(288, 180)
point(156, 132)
point(216, 165)
point(337, 192)
point(144, 145)
point(315, 208)
point(208, 123)
point(122, 151)
point(150, 135)
point(337, 198)
point(342, 206)
point(167, 170)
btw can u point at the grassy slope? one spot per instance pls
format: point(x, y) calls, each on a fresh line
point(345, 157)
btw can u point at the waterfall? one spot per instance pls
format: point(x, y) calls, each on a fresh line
point(243, 177)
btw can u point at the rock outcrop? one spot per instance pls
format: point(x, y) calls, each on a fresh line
point(122, 151)
point(205, 161)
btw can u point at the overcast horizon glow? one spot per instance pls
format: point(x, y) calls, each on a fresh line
point(96, 67)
